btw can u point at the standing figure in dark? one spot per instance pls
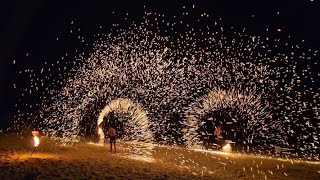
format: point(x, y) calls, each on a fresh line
point(218, 135)
point(112, 133)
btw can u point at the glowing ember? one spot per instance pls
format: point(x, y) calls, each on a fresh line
point(227, 148)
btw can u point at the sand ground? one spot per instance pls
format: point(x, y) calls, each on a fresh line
point(90, 161)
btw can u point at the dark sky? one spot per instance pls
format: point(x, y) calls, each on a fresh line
point(32, 26)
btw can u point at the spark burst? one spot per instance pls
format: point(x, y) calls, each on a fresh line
point(133, 128)
point(166, 71)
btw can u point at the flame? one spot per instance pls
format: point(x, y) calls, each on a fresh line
point(36, 141)
point(99, 131)
point(36, 138)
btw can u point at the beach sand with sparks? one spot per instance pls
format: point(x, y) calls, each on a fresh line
point(87, 160)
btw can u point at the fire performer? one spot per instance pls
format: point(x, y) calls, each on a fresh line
point(218, 131)
point(112, 133)
point(218, 134)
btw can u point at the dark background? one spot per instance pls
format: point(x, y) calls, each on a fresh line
point(29, 29)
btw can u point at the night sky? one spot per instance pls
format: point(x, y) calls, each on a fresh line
point(29, 29)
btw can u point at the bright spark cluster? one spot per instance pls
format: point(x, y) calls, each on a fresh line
point(176, 68)
point(134, 122)
point(246, 112)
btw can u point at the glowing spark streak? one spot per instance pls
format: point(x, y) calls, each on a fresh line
point(96, 144)
point(214, 152)
point(101, 136)
point(99, 131)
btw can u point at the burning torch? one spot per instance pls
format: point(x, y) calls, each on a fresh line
point(36, 141)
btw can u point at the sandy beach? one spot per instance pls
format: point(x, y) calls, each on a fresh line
point(85, 160)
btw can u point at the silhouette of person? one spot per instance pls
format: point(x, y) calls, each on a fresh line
point(112, 133)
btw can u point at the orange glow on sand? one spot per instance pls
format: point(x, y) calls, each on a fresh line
point(39, 155)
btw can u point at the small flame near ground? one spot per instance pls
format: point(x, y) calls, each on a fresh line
point(36, 138)
point(36, 141)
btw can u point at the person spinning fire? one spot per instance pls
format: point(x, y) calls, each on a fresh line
point(218, 135)
point(112, 133)
point(218, 131)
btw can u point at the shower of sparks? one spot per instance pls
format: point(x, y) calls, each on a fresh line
point(247, 115)
point(171, 72)
point(133, 123)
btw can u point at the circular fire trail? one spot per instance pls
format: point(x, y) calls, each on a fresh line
point(246, 116)
point(133, 122)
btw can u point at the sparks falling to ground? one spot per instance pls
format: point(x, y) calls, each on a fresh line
point(169, 78)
